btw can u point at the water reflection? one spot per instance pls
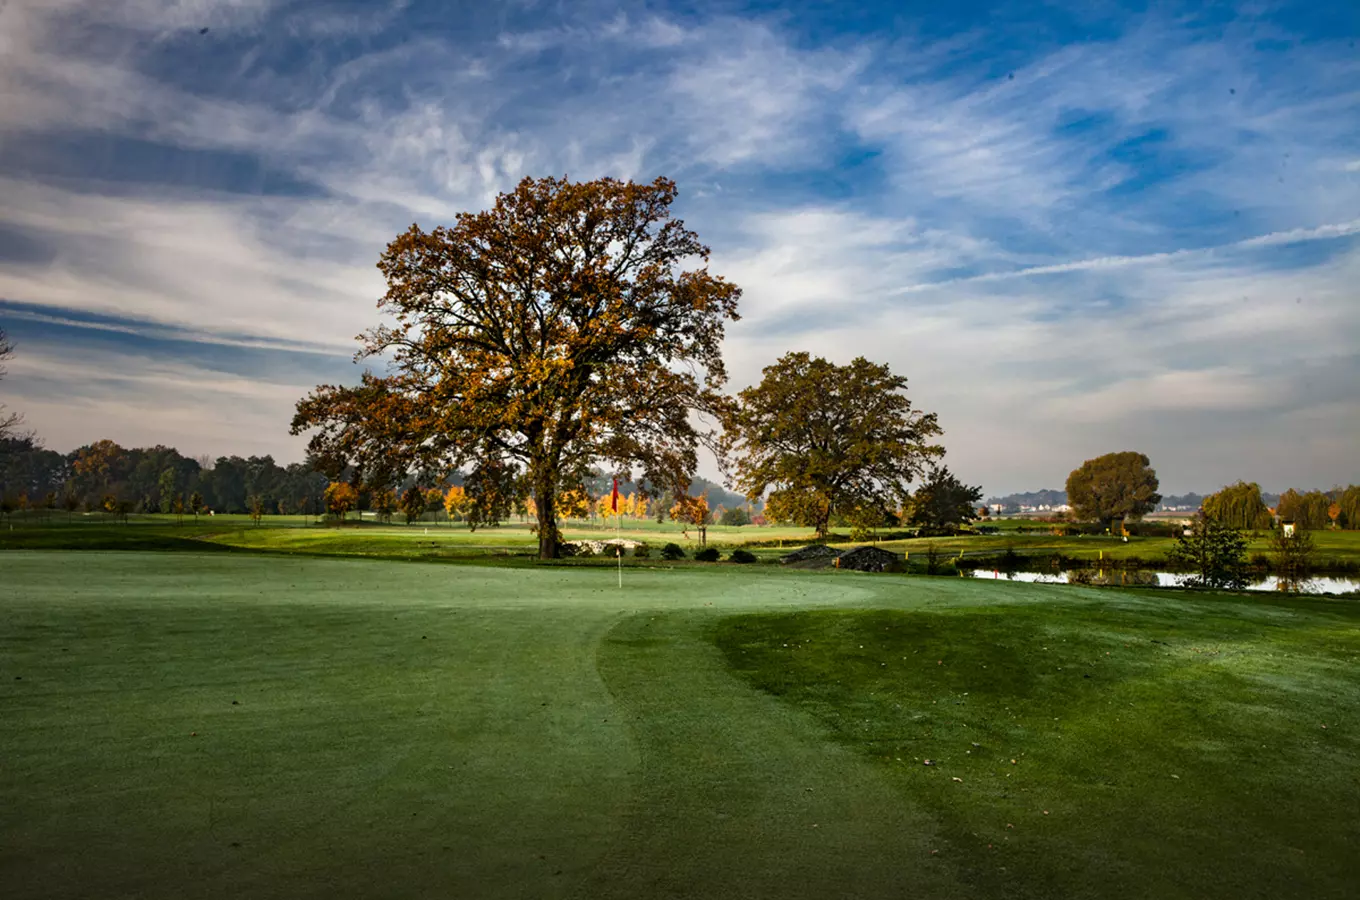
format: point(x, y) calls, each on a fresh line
point(1146, 578)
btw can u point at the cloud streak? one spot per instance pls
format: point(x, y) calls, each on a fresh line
point(1277, 239)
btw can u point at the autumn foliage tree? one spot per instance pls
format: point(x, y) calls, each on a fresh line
point(412, 504)
point(1114, 486)
point(572, 324)
point(826, 439)
point(490, 492)
point(340, 497)
point(384, 504)
point(456, 503)
point(693, 511)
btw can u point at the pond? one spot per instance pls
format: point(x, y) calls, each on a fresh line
point(1145, 578)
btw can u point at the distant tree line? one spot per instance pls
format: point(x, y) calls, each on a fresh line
point(104, 474)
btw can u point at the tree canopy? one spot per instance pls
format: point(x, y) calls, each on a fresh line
point(1113, 486)
point(1239, 506)
point(943, 502)
point(828, 440)
point(557, 331)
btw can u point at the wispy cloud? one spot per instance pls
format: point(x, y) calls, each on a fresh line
point(1279, 238)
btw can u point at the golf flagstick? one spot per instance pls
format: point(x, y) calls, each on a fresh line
point(618, 530)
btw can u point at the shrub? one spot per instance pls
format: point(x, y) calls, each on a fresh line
point(708, 554)
point(641, 551)
point(742, 556)
point(672, 551)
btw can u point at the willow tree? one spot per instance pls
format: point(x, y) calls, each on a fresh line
point(1239, 506)
point(572, 325)
point(827, 440)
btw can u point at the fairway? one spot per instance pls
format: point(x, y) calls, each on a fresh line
point(227, 725)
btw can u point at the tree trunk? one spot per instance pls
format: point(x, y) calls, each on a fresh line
point(545, 498)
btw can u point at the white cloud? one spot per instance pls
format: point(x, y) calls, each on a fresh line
point(141, 401)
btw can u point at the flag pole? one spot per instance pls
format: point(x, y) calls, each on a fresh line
point(618, 529)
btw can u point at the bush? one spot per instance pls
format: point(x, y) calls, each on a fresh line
point(708, 554)
point(672, 551)
point(641, 551)
point(742, 556)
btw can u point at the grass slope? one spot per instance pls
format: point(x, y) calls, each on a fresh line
point(1126, 750)
point(239, 725)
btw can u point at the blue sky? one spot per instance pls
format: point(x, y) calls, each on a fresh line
point(1074, 229)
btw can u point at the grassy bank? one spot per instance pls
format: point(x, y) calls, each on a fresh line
point(1338, 552)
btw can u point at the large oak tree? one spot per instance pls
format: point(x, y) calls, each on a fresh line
point(1113, 486)
point(828, 440)
point(571, 325)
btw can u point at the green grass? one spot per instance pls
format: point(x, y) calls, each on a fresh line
point(1186, 750)
point(236, 724)
point(1337, 551)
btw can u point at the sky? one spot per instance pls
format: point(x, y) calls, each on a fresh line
point(1074, 229)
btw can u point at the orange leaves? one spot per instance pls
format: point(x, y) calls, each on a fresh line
point(557, 330)
point(573, 504)
point(692, 510)
point(340, 498)
point(456, 503)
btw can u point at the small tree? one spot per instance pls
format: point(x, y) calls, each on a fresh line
point(412, 504)
point(195, 504)
point(694, 511)
point(165, 487)
point(384, 504)
point(255, 503)
point(1216, 553)
point(434, 502)
point(70, 501)
point(490, 489)
point(1293, 557)
point(943, 502)
point(736, 516)
point(456, 503)
point(340, 497)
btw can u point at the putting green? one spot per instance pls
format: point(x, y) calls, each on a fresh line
point(228, 725)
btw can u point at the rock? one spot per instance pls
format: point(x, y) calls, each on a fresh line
point(868, 559)
point(598, 548)
point(811, 553)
